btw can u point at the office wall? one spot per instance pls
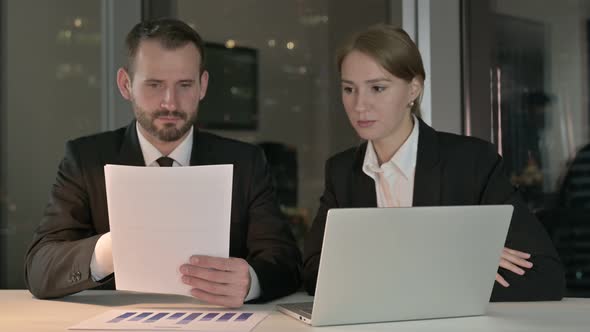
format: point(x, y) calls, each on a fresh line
point(445, 65)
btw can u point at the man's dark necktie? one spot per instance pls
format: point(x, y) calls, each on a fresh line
point(165, 161)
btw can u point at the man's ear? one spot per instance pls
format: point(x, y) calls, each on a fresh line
point(204, 84)
point(124, 83)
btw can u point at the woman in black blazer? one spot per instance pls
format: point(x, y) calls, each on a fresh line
point(404, 162)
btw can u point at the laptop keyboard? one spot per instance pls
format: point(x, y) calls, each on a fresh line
point(306, 307)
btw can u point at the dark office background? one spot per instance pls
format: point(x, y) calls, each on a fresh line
point(524, 75)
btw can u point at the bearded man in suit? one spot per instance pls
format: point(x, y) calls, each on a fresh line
point(164, 80)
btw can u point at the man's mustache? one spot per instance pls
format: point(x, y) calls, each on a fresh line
point(176, 114)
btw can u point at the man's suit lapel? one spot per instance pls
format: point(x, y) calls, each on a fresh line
point(362, 187)
point(427, 177)
point(130, 153)
point(201, 153)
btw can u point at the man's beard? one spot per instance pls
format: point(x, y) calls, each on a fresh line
point(169, 133)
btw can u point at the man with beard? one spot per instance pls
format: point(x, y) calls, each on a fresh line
point(164, 80)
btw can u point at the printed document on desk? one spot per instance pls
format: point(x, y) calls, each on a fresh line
point(160, 216)
point(143, 319)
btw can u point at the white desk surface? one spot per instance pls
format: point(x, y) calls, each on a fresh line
point(19, 311)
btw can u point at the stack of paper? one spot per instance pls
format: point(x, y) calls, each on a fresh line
point(160, 216)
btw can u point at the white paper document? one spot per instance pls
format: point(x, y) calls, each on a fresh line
point(160, 216)
point(173, 320)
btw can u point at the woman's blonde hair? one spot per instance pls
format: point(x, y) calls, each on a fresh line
point(391, 48)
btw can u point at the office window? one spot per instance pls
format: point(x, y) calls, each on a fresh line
point(300, 121)
point(52, 69)
point(540, 115)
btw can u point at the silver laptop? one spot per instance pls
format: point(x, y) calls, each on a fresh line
point(391, 264)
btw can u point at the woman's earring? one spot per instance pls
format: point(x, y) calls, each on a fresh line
point(411, 104)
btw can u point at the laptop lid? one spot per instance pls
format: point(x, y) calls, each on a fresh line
point(389, 264)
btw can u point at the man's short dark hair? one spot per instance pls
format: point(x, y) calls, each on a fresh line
point(171, 33)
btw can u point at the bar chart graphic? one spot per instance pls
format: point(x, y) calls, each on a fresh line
point(173, 320)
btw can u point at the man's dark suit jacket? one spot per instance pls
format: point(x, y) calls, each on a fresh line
point(450, 170)
point(58, 261)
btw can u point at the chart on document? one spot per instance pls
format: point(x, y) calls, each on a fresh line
point(176, 320)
